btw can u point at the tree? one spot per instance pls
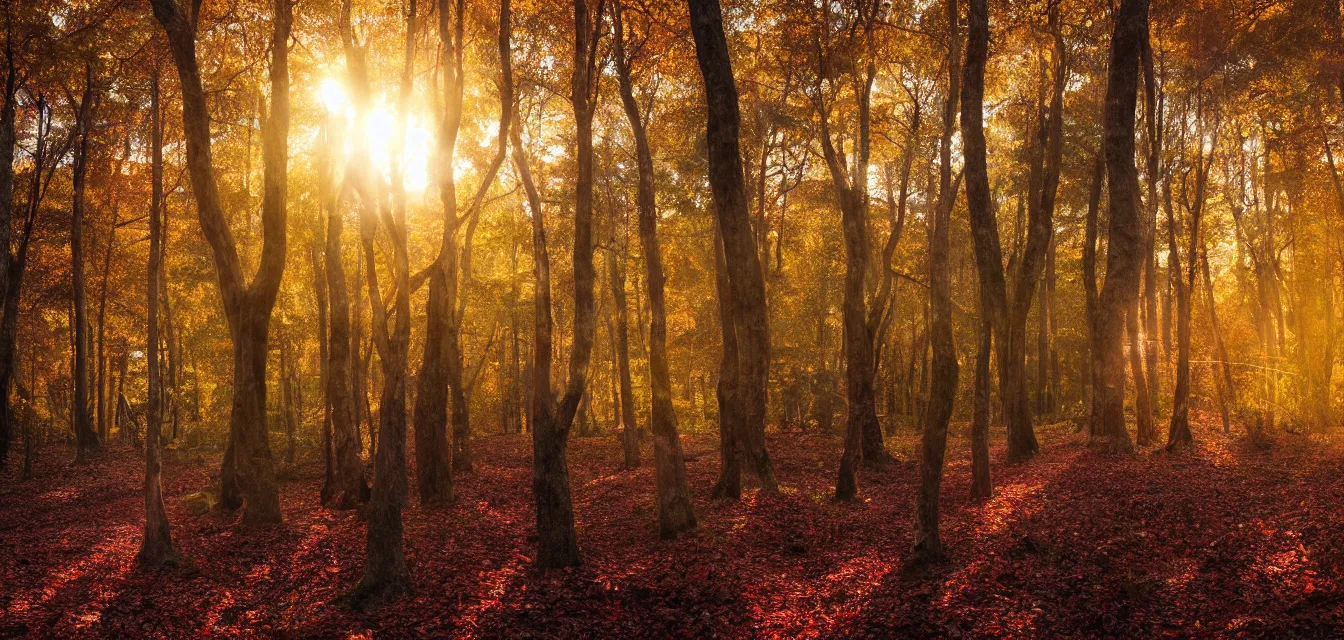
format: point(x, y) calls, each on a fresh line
point(385, 574)
point(1178, 433)
point(1125, 233)
point(675, 514)
point(746, 285)
point(85, 435)
point(157, 546)
point(247, 307)
point(863, 434)
point(350, 489)
point(557, 544)
point(928, 544)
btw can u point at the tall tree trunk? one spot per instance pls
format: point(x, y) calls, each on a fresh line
point(1227, 390)
point(1145, 431)
point(731, 416)
point(928, 543)
point(557, 544)
point(85, 436)
point(981, 486)
point(385, 573)
point(433, 450)
point(320, 288)
point(629, 430)
point(349, 489)
point(157, 546)
point(1125, 243)
point(741, 259)
point(675, 513)
point(1010, 310)
point(1093, 368)
point(7, 142)
point(247, 306)
point(863, 433)
point(1178, 434)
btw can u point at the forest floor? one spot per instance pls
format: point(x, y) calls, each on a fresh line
point(1221, 541)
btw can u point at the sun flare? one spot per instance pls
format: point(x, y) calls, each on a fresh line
point(376, 133)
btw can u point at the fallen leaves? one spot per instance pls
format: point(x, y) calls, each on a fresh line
point(1223, 540)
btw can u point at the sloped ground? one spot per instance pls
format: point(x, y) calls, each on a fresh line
point(1225, 541)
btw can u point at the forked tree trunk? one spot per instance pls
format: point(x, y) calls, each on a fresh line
point(385, 573)
point(433, 449)
point(741, 259)
point(1125, 236)
point(675, 514)
point(928, 545)
point(247, 306)
point(1178, 433)
point(156, 548)
point(557, 543)
point(349, 489)
point(863, 433)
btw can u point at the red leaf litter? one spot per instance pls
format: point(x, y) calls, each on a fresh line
point(1224, 541)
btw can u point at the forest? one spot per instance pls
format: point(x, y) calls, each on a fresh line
point(671, 318)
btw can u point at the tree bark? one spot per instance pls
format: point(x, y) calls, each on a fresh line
point(1124, 253)
point(557, 544)
point(156, 549)
point(675, 514)
point(247, 306)
point(741, 259)
point(85, 436)
point(863, 433)
point(385, 574)
point(1178, 433)
point(8, 139)
point(928, 545)
point(1093, 369)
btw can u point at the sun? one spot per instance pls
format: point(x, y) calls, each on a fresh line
point(376, 132)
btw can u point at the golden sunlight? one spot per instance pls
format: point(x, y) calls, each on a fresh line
point(377, 135)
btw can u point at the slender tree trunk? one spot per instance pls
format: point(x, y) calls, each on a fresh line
point(675, 514)
point(629, 430)
point(157, 546)
point(731, 417)
point(1178, 434)
point(7, 143)
point(928, 545)
point(1124, 253)
point(557, 544)
point(385, 572)
point(1092, 369)
point(85, 436)
point(433, 449)
point(741, 259)
point(1227, 390)
point(863, 433)
point(329, 483)
point(1146, 431)
point(550, 476)
point(981, 486)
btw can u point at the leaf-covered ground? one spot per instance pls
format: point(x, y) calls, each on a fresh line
point(1225, 541)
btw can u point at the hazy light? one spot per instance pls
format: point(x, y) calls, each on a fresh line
point(379, 132)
